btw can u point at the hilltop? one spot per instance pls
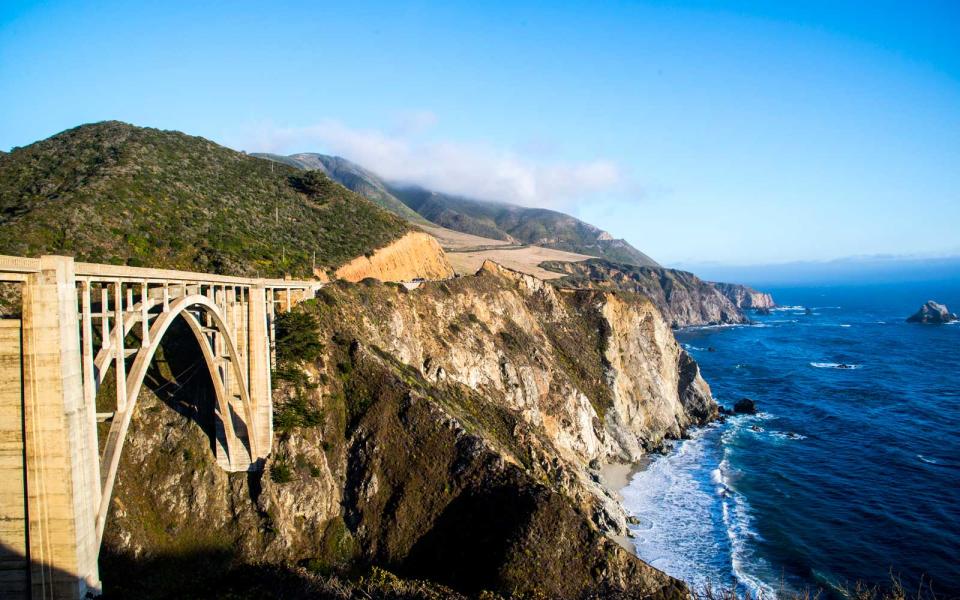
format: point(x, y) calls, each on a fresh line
point(499, 221)
point(114, 192)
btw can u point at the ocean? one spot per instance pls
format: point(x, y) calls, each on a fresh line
point(844, 475)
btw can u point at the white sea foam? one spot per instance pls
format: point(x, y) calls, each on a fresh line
point(844, 325)
point(787, 435)
point(842, 366)
point(716, 326)
point(785, 308)
point(694, 523)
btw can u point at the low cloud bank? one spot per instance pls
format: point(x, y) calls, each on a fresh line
point(475, 170)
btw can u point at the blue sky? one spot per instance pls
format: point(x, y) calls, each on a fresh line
point(720, 132)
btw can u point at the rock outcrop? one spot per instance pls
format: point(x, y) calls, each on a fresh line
point(416, 255)
point(444, 434)
point(683, 298)
point(744, 297)
point(933, 313)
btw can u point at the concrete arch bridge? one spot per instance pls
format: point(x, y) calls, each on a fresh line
point(80, 322)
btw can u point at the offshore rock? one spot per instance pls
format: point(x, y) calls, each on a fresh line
point(932, 313)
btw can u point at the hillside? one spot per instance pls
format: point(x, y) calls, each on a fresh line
point(353, 177)
point(113, 192)
point(493, 220)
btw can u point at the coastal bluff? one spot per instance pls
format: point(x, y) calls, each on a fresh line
point(416, 255)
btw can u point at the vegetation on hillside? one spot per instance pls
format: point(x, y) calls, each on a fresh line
point(494, 220)
point(113, 192)
point(351, 176)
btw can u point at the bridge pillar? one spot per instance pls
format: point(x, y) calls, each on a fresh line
point(258, 370)
point(61, 506)
point(14, 580)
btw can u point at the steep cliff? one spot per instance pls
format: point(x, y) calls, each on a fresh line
point(416, 255)
point(745, 297)
point(682, 297)
point(444, 433)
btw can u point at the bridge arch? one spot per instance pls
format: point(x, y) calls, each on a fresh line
point(56, 496)
point(188, 307)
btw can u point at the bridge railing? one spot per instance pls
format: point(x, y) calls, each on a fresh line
point(79, 321)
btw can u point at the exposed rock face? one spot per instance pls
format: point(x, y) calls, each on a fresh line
point(933, 313)
point(449, 436)
point(746, 297)
point(682, 297)
point(416, 255)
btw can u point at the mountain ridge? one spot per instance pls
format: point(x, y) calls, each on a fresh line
point(495, 220)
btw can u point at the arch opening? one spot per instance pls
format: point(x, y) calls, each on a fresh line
point(233, 430)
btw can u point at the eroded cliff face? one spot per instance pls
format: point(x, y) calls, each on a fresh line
point(683, 298)
point(445, 433)
point(562, 359)
point(416, 255)
point(745, 297)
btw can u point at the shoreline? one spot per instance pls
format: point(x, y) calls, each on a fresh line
point(615, 477)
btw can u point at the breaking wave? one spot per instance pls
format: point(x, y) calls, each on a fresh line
point(694, 523)
point(830, 365)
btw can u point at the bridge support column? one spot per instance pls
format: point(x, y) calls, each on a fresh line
point(61, 509)
point(258, 371)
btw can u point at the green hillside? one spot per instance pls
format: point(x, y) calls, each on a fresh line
point(535, 226)
point(113, 192)
point(495, 220)
point(353, 177)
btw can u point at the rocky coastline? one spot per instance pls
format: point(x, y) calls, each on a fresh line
point(683, 299)
point(477, 408)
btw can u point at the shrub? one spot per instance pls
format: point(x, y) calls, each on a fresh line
point(296, 412)
point(280, 472)
point(312, 183)
point(298, 338)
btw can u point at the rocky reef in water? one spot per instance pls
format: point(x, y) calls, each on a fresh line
point(932, 313)
point(443, 435)
point(683, 298)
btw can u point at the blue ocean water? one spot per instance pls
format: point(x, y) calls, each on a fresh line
point(847, 474)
